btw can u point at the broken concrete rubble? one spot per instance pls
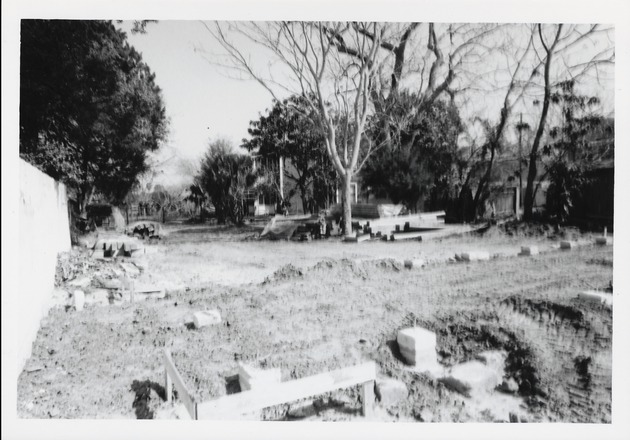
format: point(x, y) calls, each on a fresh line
point(493, 359)
point(509, 386)
point(251, 378)
point(472, 376)
point(391, 391)
point(82, 282)
point(130, 269)
point(99, 296)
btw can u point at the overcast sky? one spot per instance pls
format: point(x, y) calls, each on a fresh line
point(202, 102)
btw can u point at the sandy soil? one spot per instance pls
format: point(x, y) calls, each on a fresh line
point(312, 307)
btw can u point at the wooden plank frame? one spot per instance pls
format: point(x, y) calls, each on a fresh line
point(284, 392)
point(172, 377)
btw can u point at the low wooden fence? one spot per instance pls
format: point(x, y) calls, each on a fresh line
point(245, 402)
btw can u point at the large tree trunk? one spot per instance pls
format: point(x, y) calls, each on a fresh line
point(85, 200)
point(347, 203)
point(533, 155)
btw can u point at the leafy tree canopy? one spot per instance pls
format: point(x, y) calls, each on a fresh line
point(227, 177)
point(290, 130)
point(422, 150)
point(89, 106)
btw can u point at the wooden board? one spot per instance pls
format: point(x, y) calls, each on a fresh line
point(180, 386)
point(248, 401)
point(407, 235)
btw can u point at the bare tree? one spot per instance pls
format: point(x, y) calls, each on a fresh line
point(311, 59)
point(566, 52)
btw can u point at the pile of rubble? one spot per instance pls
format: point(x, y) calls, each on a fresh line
point(82, 279)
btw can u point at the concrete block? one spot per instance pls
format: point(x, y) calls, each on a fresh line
point(302, 410)
point(494, 359)
point(82, 282)
point(78, 298)
point(472, 377)
point(143, 295)
point(391, 391)
point(408, 236)
point(602, 241)
point(596, 297)
point(509, 386)
point(206, 317)
point(528, 251)
point(251, 378)
point(98, 253)
point(110, 283)
point(567, 245)
point(415, 263)
point(417, 346)
point(98, 296)
point(475, 256)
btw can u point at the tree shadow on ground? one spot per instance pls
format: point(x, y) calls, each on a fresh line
point(142, 389)
point(319, 406)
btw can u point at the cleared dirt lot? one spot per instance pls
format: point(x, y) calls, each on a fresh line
point(312, 307)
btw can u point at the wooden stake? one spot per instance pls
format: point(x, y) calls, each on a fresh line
point(367, 397)
point(168, 386)
point(180, 386)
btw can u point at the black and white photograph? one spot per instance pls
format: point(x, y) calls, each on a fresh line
point(335, 220)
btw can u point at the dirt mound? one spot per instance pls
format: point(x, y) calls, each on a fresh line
point(340, 268)
point(548, 310)
point(287, 272)
point(517, 228)
point(606, 262)
point(387, 264)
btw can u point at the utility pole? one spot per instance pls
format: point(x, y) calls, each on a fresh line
point(281, 166)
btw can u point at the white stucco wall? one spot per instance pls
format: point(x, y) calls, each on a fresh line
point(43, 233)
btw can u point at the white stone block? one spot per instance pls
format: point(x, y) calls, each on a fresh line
point(415, 263)
point(471, 377)
point(475, 256)
point(206, 317)
point(568, 244)
point(417, 346)
point(529, 250)
point(597, 297)
point(251, 378)
point(78, 298)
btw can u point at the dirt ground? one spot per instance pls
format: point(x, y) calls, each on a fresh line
point(309, 307)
